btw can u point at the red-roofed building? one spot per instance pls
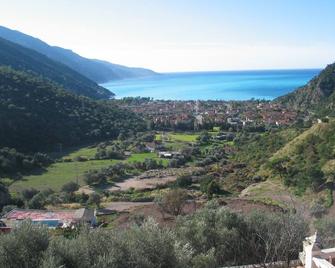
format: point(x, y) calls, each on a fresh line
point(55, 218)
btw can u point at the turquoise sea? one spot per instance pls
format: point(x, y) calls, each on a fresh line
point(225, 85)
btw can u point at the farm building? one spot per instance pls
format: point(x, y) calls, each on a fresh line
point(53, 219)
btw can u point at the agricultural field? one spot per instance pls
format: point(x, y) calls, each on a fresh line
point(142, 156)
point(56, 175)
point(176, 137)
point(75, 162)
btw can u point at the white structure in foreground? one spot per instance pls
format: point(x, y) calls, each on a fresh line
point(315, 257)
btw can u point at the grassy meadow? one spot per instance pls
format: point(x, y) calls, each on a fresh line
point(57, 174)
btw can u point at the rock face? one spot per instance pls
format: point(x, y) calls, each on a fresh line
point(319, 93)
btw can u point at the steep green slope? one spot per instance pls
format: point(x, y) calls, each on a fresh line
point(318, 95)
point(308, 160)
point(23, 59)
point(36, 115)
point(96, 70)
point(254, 149)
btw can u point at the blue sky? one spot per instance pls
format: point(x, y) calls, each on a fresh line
point(184, 35)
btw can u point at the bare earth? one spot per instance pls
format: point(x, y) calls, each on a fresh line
point(125, 206)
point(151, 210)
point(147, 180)
point(139, 184)
point(151, 179)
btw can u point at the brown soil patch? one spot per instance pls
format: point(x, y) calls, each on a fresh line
point(125, 206)
point(247, 206)
point(151, 210)
point(140, 184)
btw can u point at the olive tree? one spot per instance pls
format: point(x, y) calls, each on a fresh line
point(24, 246)
point(172, 202)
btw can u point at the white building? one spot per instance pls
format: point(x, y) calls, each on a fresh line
point(313, 256)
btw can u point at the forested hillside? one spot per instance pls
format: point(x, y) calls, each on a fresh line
point(23, 59)
point(96, 70)
point(308, 161)
point(36, 115)
point(318, 95)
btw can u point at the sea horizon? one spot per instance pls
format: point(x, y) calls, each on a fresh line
point(236, 70)
point(214, 85)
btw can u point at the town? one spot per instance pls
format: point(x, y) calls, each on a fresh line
point(197, 115)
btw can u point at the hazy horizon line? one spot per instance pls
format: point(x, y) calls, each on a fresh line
point(242, 70)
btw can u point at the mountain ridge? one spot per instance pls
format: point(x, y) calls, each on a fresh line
point(317, 95)
point(96, 70)
point(25, 59)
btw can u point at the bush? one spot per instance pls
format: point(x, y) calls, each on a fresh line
point(94, 199)
point(213, 188)
point(70, 187)
point(80, 159)
point(172, 202)
point(205, 182)
point(5, 197)
point(260, 237)
point(183, 181)
point(204, 137)
point(326, 230)
point(95, 177)
point(177, 161)
point(28, 193)
point(147, 246)
point(318, 210)
point(24, 246)
point(37, 202)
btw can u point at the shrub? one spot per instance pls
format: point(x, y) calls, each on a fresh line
point(70, 187)
point(326, 230)
point(213, 188)
point(318, 210)
point(172, 202)
point(28, 193)
point(94, 199)
point(80, 159)
point(184, 181)
point(95, 177)
point(5, 197)
point(24, 246)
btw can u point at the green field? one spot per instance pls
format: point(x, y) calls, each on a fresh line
point(141, 157)
point(56, 175)
point(84, 152)
point(60, 173)
point(178, 137)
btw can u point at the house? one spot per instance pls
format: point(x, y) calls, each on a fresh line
point(313, 256)
point(51, 218)
point(168, 154)
point(233, 121)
